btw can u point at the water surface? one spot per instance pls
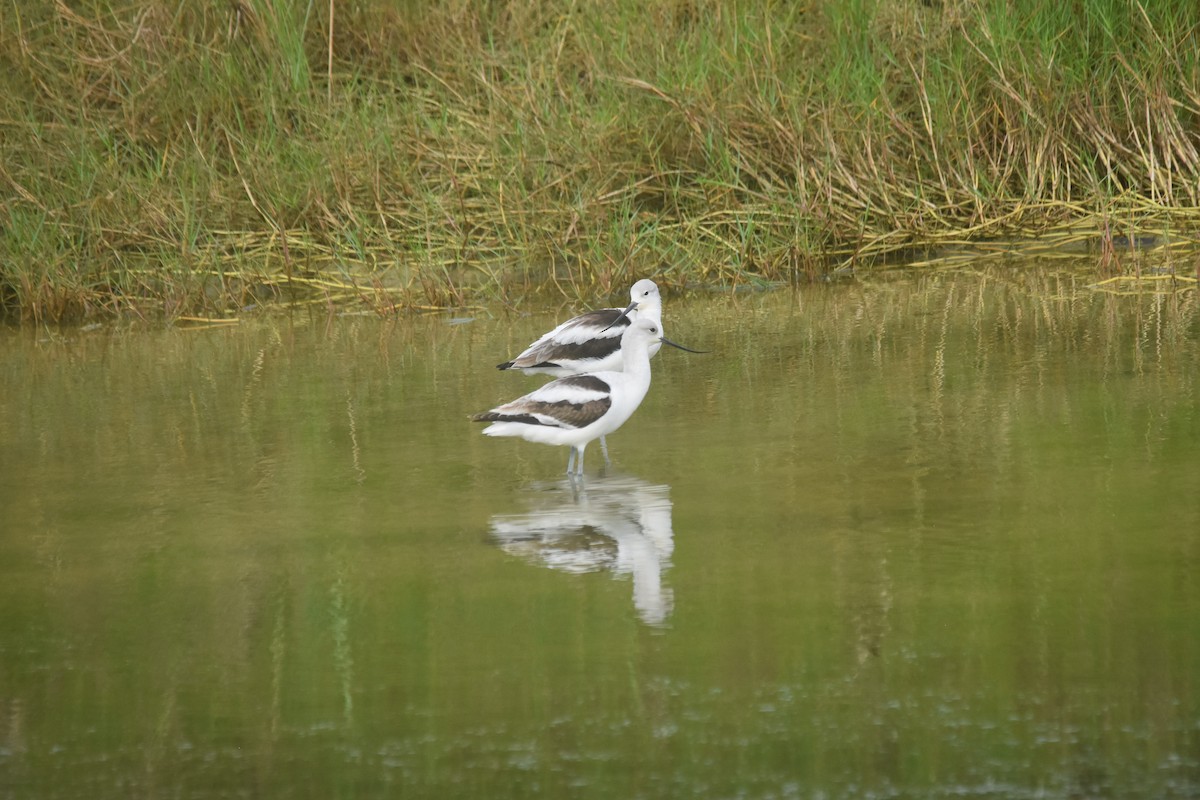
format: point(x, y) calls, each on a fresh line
point(910, 536)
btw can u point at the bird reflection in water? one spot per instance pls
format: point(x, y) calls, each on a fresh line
point(618, 523)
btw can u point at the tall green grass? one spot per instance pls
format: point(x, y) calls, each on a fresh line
point(159, 157)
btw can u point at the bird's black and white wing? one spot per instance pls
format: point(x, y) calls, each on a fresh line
point(578, 345)
point(572, 402)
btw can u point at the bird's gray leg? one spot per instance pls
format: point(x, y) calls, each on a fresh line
point(604, 449)
point(571, 461)
point(579, 463)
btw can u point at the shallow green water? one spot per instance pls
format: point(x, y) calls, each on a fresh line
point(912, 537)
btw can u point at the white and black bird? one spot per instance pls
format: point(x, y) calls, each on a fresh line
point(578, 409)
point(590, 342)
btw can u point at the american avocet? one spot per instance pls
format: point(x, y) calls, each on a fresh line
point(590, 342)
point(578, 409)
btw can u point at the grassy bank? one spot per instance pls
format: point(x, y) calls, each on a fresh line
point(202, 157)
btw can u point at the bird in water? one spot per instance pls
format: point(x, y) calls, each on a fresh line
point(591, 342)
point(575, 410)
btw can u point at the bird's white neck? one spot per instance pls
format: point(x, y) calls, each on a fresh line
point(636, 359)
point(650, 311)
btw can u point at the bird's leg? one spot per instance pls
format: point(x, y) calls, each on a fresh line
point(579, 463)
point(571, 461)
point(604, 449)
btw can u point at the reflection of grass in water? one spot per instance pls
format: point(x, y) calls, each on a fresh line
point(958, 444)
point(343, 657)
point(976, 352)
point(265, 601)
point(205, 160)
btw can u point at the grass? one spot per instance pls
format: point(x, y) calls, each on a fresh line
point(168, 158)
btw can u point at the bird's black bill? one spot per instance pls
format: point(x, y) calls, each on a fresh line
point(624, 315)
point(681, 347)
